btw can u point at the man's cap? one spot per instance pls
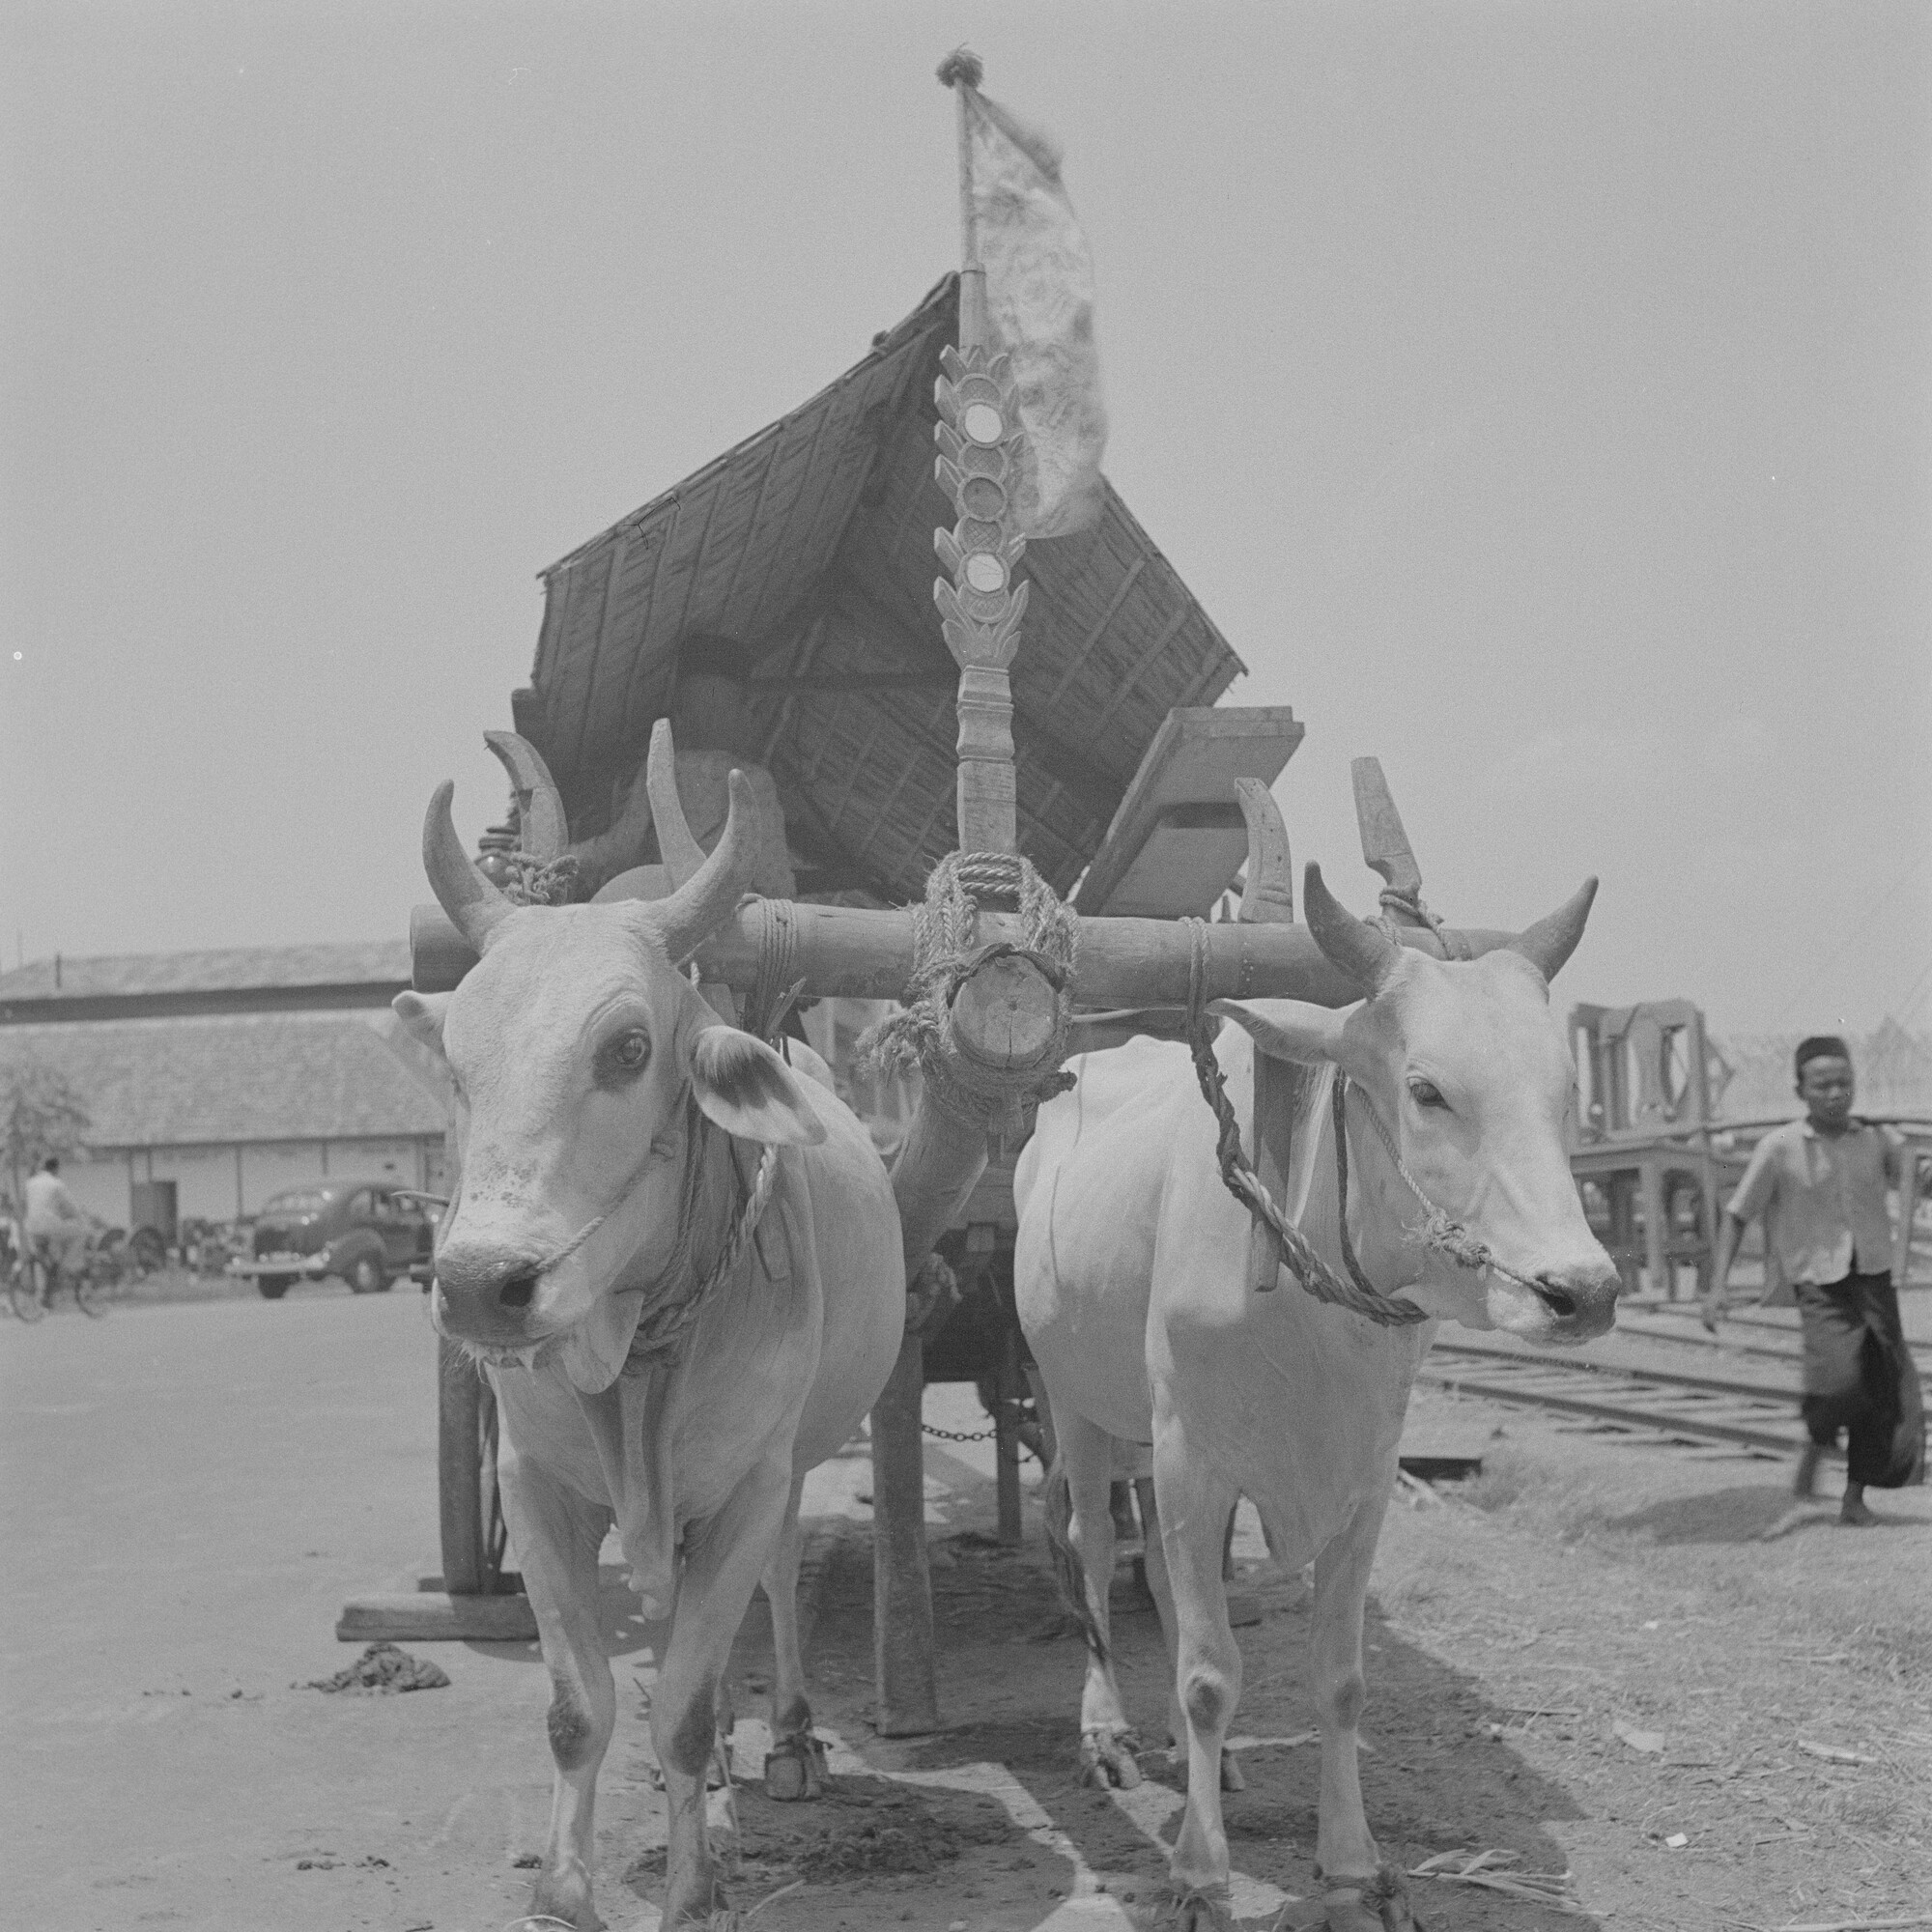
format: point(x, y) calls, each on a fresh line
point(1820, 1046)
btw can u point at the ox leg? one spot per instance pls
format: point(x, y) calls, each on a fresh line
point(796, 1765)
point(1161, 1585)
point(1362, 1894)
point(558, 1535)
point(1194, 1504)
point(723, 1559)
point(1107, 1743)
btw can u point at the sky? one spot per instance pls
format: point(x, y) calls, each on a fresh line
point(1535, 395)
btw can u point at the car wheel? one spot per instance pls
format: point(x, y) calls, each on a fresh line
point(274, 1286)
point(364, 1275)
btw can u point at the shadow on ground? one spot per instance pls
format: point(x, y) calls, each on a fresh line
point(1745, 1513)
point(1436, 1777)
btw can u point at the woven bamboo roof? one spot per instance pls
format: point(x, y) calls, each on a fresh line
point(777, 603)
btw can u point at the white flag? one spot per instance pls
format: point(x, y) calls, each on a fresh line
point(1039, 310)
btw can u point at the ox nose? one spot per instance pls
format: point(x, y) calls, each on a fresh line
point(1554, 1296)
point(487, 1291)
point(1584, 1298)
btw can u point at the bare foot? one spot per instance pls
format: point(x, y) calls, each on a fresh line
point(1855, 1514)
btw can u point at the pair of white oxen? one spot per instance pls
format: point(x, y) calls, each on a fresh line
point(681, 1265)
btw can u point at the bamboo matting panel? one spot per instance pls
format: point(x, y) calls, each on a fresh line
point(809, 550)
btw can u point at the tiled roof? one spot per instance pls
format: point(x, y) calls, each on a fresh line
point(242, 1077)
point(235, 968)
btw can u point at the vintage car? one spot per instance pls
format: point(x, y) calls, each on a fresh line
point(367, 1231)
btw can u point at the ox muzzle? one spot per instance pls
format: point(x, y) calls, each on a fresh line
point(487, 1292)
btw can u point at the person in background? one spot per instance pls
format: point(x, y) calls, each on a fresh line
point(1820, 1184)
point(54, 1221)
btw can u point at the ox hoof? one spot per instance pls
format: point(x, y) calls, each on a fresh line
point(1203, 1909)
point(795, 1770)
point(1377, 1904)
point(704, 1904)
point(551, 1912)
point(1107, 1760)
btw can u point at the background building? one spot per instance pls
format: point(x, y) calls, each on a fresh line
point(228, 1076)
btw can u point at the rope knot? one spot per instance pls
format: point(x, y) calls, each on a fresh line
point(946, 953)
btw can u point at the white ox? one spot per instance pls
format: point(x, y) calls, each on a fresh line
point(610, 1128)
point(1134, 1279)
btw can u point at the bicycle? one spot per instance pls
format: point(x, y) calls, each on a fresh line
point(35, 1278)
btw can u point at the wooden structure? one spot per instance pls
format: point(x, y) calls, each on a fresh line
point(776, 607)
point(1643, 1137)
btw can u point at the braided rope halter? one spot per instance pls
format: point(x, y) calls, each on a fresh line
point(1440, 1232)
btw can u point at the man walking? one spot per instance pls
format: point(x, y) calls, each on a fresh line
point(1820, 1184)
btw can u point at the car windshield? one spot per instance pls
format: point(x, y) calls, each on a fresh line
point(298, 1201)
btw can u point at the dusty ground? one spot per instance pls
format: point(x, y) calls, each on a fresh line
point(190, 1492)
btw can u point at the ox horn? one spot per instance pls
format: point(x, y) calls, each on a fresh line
point(1363, 951)
point(683, 856)
point(705, 899)
point(474, 905)
point(542, 831)
point(1551, 940)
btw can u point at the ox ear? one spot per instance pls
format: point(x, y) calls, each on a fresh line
point(422, 1014)
point(1287, 1029)
point(745, 1087)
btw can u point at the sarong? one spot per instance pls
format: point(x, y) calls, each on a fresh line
point(1860, 1378)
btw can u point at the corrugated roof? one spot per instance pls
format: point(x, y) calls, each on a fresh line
point(245, 1077)
point(233, 969)
point(805, 553)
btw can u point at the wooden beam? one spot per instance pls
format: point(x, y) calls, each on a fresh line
point(850, 952)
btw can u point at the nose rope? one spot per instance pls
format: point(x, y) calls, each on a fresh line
point(571, 1246)
point(1439, 1231)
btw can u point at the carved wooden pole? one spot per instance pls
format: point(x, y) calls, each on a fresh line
point(1002, 1018)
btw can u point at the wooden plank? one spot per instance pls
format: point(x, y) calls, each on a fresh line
point(1184, 856)
point(430, 1616)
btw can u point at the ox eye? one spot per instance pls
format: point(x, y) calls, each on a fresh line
point(627, 1055)
point(1426, 1094)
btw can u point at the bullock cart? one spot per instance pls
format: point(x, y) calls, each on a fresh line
point(1012, 818)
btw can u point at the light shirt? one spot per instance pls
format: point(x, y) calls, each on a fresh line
point(1823, 1199)
point(48, 1202)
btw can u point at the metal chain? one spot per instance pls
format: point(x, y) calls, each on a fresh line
point(960, 1435)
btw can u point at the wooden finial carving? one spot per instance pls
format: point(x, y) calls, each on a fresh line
point(981, 609)
point(1267, 897)
point(1386, 847)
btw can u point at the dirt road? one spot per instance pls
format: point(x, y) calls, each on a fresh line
point(192, 1492)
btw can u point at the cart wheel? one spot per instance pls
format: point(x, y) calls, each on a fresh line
point(366, 1276)
point(149, 1250)
point(91, 1291)
point(475, 1535)
point(274, 1286)
point(23, 1289)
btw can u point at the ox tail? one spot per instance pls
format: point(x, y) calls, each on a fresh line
point(1068, 1572)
